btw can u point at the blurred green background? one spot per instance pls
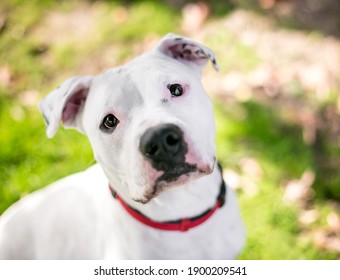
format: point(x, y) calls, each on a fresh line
point(277, 102)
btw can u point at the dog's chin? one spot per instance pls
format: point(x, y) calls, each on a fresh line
point(175, 177)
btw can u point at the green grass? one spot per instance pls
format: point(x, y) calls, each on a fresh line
point(245, 129)
point(259, 132)
point(272, 226)
point(27, 155)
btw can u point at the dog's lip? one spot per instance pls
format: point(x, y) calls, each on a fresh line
point(161, 185)
point(173, 173)
point(176, 175)
point(179, 179)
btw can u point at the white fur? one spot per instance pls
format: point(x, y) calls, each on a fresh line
point(77, 217)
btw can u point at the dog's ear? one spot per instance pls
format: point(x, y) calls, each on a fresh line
point(187, 51)
point(65, 104)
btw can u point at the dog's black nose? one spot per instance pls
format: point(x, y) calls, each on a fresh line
point(163, 145)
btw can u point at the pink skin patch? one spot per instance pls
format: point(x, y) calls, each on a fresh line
point(151, 173)
point(72, 105)
point(193, 158)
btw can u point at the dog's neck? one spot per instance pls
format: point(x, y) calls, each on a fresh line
point(187, 200)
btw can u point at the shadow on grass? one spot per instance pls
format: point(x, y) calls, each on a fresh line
point(250, 129)
point(257, 130)
point(308, 15)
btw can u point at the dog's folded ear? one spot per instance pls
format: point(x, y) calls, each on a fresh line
point(65, 104)
point(187, 51)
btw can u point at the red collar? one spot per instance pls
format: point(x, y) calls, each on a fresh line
point(177, 225)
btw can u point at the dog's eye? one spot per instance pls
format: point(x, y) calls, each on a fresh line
point(175, 90)
point(109, 123)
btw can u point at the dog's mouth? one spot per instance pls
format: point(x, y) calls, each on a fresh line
point(173, 176)
point(173, 173)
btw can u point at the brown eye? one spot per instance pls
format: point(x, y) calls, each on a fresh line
point(175, 90)
point(109, 123)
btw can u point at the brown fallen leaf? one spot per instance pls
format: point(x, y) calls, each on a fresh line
point(251, 168)
point(232, 82)
point(333, 221)
point(29, 98)
point(299, 191)
point(308, 217)
point(232, 178)
point(267, 4)
point(194, 16)
point(237, 182)
point(6, 75)
point(327, 240)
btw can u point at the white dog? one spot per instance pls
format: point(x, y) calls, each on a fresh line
point(157, 192)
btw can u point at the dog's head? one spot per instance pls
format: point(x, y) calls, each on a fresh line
point(150, 122)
